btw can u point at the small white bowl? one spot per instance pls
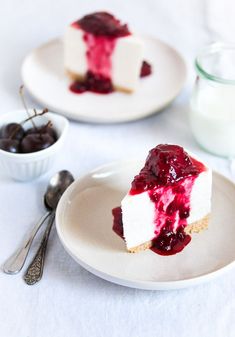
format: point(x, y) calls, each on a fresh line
point(27, 166)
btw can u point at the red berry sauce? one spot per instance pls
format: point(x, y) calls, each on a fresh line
point(102, 24)
point(117, 221)
point(146, 69)
point(93, 83)
point(99, 51)
point(165, 166)
point(101, 31)
point(168, 177)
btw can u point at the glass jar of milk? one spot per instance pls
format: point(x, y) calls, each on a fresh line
point(212, 113)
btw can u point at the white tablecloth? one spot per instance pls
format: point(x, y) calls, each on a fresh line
point(69, 301)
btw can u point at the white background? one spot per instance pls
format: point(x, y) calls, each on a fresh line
point(69, 301)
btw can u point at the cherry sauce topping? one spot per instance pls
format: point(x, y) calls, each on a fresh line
point(168, 176)
point(117, 221)
point(98, 77)
point(170, 242)
point(100, 84)
point(101, 31)
point(167, 243)
point(165, 165)
point(102, 24)
point(146, 69)
point(93, 83)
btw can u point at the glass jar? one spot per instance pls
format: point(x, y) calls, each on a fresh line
point(212, 113)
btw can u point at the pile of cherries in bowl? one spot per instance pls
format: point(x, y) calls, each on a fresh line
point(15, 139)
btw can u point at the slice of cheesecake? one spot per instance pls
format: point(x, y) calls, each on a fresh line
point(169, 199)
point(99, 47)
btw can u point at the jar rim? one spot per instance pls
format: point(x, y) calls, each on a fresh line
point(212, 49)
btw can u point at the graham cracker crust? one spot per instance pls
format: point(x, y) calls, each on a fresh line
point(78, 77)
point(141, 247)
point(198, 226)
point(74, 76)
point(195, 227)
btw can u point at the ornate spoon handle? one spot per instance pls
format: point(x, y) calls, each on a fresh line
point(16, 261)
point(35, 270)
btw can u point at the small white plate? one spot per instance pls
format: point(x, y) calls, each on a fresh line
point(44, 76)
point(84, 225)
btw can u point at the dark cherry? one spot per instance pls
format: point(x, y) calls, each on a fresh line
point(13, 131)
point(43, 129)
point(9, 145)
point(102, 24)
point(50, 130)
point(101, 85)
point(35, 142)
point(146, 69)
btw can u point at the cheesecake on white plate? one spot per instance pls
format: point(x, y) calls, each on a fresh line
point(99, 46)
point(169, 199)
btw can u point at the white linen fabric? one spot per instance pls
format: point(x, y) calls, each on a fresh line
point(69, 301)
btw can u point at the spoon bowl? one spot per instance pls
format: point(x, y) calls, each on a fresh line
point(57, 185)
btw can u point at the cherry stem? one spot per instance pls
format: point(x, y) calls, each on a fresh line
point(35, 114)
point(49, 124)
point(21, 92)
point(29, 118)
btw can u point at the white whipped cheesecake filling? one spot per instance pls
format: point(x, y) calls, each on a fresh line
point(75, 47)
point(126, 58)
point(200, 201)
point(126, 62)
point(139, 213)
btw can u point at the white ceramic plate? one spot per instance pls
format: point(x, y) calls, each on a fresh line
point(43, 75)
point(84, 225)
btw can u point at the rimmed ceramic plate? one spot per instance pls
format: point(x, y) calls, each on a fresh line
point(84, 225)
point(44, 76)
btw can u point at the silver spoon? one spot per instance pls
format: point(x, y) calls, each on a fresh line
point(55, 189)
point(58, 185)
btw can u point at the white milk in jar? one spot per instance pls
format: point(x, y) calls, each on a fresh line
point(212, 115)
